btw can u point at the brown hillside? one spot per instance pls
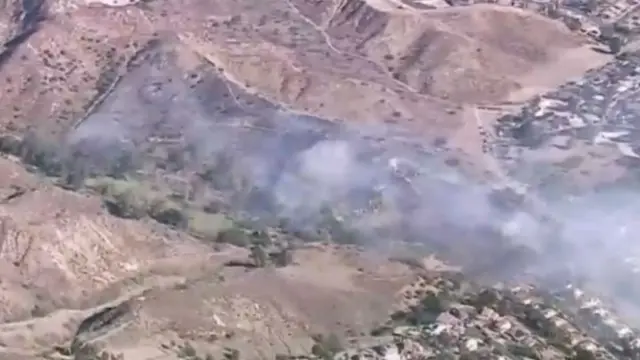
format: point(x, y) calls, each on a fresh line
point(162, 77)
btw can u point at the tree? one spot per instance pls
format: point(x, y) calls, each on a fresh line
point(123, 164)
point(233, 236)
point(231, 354)
point(176, 159)
point(259, 256)
point(326, 347)
point(336, 228)
point(74, 170)
point(10, 144)
point(615, 44)
point(74, 176)
point(591, 6)
point(606, 32)
point(574, 24)
point(283, 258)
point(583, 354)
point(43, 154)
point(169, 213)
point(128, 204)
point(432, 303)
point(260, 237)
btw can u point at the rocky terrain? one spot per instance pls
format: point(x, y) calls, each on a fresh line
point(312, 179)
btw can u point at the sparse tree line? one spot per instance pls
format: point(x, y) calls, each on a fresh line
point(73, 164)
point(325, 347)
point(77, 168)
point(614, 36)
point(264, 251)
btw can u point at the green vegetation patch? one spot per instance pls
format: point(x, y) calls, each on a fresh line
point(209, 227)
point(133, 199)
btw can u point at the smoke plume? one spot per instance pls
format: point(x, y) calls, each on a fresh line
point(380, 181)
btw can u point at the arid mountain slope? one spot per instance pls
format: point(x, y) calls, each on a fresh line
point(472, 54)
point(58, 248)
point(353, 63)
point(64, 259)
point(196, 95)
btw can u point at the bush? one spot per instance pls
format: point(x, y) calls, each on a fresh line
point(615, 44)
point(326, 347)
point(260, 237)
point(123, 164)
point(90, 352)
point(73, 178)
point(259, 256)
point(125, 198)
point(432, 303)
point(282, 258)
point(10, 144)
point(234, 236)
point(169, 213)
point(337, 230)
point(207, 226)
point(43, 154)
point(128, 205)
point(574, 24)
point(109, 187)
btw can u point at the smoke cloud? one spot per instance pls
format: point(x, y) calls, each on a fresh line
point(382, 182)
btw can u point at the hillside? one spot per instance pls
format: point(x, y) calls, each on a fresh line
point(274, 179)
point(390, 66)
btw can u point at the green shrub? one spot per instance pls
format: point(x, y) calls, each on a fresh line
point(338, 231)
point(282, 258)
point(125, 198)
point(432, 303)
point(10, 144)
point(207, 226)
point(168, 212)
point(234, 236)
point(259, 256)
point(109, 187)
point(42, 153)
point(326, 347)
point(128, 205)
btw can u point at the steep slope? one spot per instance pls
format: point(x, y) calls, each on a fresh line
point(59, 248)
point(353, 63)
point(472, 54)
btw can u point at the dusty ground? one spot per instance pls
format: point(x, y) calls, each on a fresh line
point(62, 257)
